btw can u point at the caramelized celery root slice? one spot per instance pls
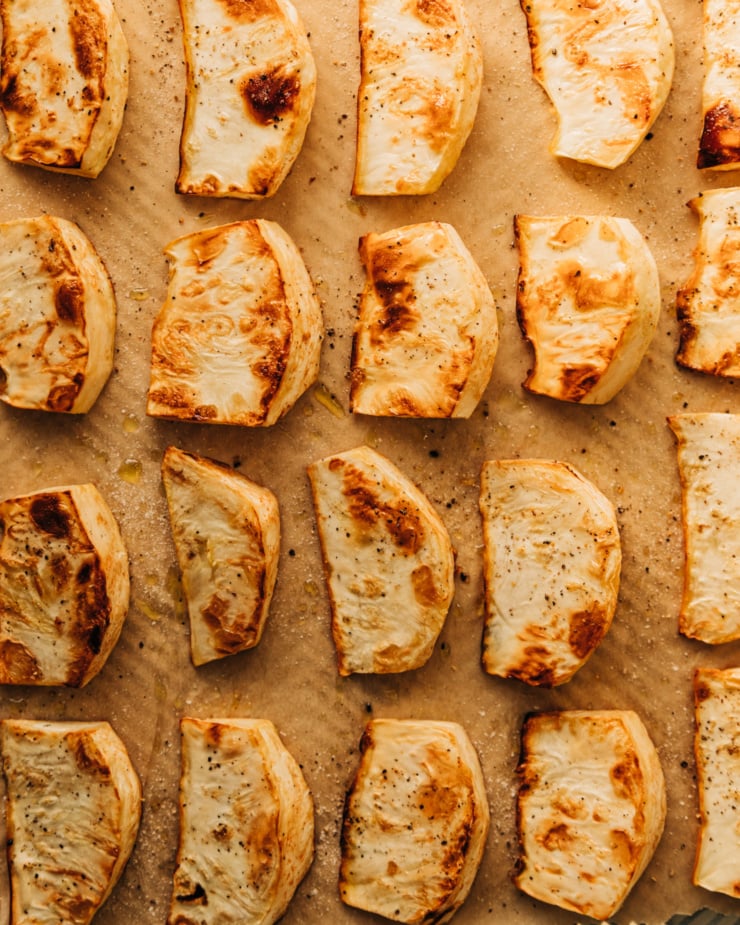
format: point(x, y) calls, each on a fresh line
point(709, 323)
point(717, 708)
point(57, 316)
point(588, 301)
point(550, 537)
point(427, 332)
point(591, 808)
point(246, 824)
point(415, 821)
point(64, 586)
point(238, 338)
point(251, 84)
point(708, 450)
point(63, 83)
point(73, 812)
point(388, 561)
point(420, 82)
point(719, 144)
point(607, 68)
point(226, 530)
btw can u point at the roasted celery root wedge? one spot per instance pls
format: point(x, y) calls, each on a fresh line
point(57, 316)
point(63, 83)
point(709, 322)
point(552, 558)
point(246, 824)
point(719, 144)
point(73, 812)
point(227, 537)
point(717, 710)
point(415, 821)
point(388, 560)
point(64, 586)
point(238, 338)
point(708, 446)
point(591, 808)
point(251, 83)
point(427, 333)
point(588, 301)
point(421, 76)
point(607, 67)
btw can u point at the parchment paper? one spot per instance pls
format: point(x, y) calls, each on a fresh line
point(131, 212)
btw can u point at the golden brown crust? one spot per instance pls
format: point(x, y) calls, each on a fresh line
point(366, 509)
point(249, 10)
point(720, 138)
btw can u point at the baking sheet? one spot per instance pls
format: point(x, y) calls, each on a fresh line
point(131, 212)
